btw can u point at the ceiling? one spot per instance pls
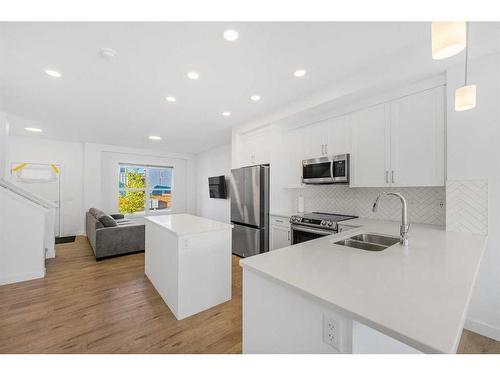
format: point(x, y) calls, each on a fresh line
point(122, 100)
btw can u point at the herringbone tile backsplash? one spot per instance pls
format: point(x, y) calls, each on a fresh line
point(425, 204)
point(467, 206)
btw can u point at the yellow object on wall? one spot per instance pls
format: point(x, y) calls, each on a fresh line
point(19, 167)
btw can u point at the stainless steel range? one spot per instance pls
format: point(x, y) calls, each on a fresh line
point(312, 225)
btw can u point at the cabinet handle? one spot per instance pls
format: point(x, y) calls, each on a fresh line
point(288, 235)
point(386, 177)
point(322, 149)
point(326, 149)
point(392, 176)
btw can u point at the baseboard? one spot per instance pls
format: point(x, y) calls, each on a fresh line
point(483, 329)
point(22, 277)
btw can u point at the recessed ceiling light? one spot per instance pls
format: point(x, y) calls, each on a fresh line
point(53, 73)
point(108, 53)
point(231, 35)
point(155, 138)
point(171, 99)
point(299, 73)
point(255, 98)
point(226, 114)
point(35, 130)
point(193, 75)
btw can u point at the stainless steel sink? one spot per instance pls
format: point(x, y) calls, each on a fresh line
point(376, 239)
point(369, 241)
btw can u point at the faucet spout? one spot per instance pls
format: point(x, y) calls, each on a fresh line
point(405, 226)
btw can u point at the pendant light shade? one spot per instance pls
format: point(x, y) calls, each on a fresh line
point(465, 98)
point(448, 39)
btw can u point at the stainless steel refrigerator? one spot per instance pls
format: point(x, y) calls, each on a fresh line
point(250, 210)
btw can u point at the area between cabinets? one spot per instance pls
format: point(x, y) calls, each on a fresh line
point(398, 143)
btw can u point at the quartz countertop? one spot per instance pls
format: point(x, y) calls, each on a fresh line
point(185, 224)
point(418, 295)
point(287, 214)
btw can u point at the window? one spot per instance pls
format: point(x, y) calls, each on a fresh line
point(143, 188)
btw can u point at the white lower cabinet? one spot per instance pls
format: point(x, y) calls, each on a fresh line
point(280, 233)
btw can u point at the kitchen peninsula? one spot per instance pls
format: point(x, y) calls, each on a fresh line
point(188, 260)
point(327, 298)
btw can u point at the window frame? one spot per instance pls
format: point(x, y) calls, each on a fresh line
point(146, 189)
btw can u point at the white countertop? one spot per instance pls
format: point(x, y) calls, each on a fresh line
point(419, 295)
point(185, 224)
point(287, 214)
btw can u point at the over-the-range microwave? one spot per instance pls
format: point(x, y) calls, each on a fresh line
point(326, 170)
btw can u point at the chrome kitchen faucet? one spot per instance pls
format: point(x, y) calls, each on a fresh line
point(405, 226)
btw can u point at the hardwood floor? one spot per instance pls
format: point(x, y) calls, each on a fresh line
point(84, 306)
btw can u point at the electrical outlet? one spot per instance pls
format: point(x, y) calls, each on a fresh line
point(331, 331)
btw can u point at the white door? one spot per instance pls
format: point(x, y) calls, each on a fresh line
point(417, 139)
point(42, 180)
point(280, 237)
point(370, 147)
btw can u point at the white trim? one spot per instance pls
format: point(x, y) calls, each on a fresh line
point(22, 277)
point(483, 329)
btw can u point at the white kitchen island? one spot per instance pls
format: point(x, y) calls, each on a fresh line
point(188, 261)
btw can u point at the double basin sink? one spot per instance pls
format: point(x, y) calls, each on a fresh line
point(369, 241)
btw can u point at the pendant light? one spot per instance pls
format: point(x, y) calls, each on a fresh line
point(448, 39)
point(465, 96)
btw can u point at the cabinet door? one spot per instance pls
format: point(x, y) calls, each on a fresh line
point(280, 237)
point(316, 136)
point(291, 158)
point(338, 136)
point(370, 147)
point(255, 147)
point(417, 139)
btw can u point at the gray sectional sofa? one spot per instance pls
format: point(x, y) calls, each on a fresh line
point(111, 235)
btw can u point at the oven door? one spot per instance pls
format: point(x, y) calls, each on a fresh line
point(302, 233)
point(317, 171)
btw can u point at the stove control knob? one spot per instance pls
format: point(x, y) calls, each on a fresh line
point(323, 222)
point(330, 223)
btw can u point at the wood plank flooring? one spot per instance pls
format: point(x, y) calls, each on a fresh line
point(84, 306)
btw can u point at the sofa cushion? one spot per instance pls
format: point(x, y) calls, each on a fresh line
point(107, 221)
point(96, 212)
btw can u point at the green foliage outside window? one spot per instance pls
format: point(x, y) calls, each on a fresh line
point(131, 201)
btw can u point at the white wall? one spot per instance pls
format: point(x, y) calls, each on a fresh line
point(4, 131)
point(214, 162)
point(473, 153)
point(84, 181)
point(22, 250)
point(69, 155)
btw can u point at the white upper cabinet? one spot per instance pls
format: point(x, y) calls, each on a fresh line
point(291, 157)
point(417, 139)
point(328, 137)
point(255, 147)
point(369, 148)
point(400, 143)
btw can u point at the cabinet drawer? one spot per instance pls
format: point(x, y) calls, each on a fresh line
point(280, 221)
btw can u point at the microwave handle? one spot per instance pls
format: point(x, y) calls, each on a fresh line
point(331, 171)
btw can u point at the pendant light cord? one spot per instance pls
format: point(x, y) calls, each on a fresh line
point(466, 50)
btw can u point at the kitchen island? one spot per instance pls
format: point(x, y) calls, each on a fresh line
point(321, 297)
point(188, 261)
